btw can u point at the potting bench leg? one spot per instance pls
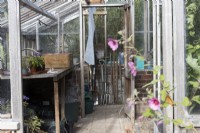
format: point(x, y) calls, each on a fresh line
point(57, 114)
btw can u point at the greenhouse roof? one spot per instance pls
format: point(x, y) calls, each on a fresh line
point(50, 11)
point(66, 11)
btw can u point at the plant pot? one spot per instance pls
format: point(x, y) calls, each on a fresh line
point(89, 104)
point(37, 70)
point(25, 72)
point(71, 111)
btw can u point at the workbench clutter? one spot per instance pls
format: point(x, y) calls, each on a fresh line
point(58, 61)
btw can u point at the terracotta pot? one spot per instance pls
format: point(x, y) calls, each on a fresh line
point(33, 70)
point(37, 70)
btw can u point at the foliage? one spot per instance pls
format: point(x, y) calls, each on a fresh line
point(33, 123)
point(31, 120)
point(193, 51)
point(36, 61)
point(5, 106)
point(2, 52)
point(156, 114)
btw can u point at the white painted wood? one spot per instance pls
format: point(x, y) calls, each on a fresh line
point(82, 61)
point(158, 37)
point(37, 36)
point(154, 49)
point(84, 33)
point(105, 49)
point(9, 125)
point(179, 55)
point(104, 5)
point(145, 28)
point(30, 23)
point(62, 39)
point(154, 41)
point(58, 34)
point(167, 55)
point(71, 17)
point(15, 62)
point(37, 9)
point(148, 26)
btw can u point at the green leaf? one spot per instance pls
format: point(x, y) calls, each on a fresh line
point(148, 113)
point(177, 122)
point(136, 92)
point(163, 95)
point(130, 38)
point(156, 69)
point(189, 127)
point(166, 84)
point(192, 33)
point(195, 84)
point(162, 77)
point(121, 32)
point(186, 102)
point(193, 63)
point(166, 120)
point(164, 105)
point(151, 83)
point(196, 99)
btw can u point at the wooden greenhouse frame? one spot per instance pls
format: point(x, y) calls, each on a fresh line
point(170, 40)
point(127, 8)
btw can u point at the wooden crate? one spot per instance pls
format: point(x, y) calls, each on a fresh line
point(94, 1)
point(58, 60)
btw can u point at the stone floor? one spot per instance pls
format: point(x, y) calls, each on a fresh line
point(104, 119)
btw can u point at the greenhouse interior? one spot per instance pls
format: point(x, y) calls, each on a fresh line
point(99, 66)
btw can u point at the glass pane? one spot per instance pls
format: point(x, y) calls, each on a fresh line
point(71, 37)
point(139, 15)
point(48, 38)
point(193, 54)
point(4, 61)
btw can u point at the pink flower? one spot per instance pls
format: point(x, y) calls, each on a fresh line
point(133, 68)
point(154, 104)
point(131, 64)
point(134, 72)
point(113, 44)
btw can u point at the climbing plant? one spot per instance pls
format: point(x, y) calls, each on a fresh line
point(193, 53)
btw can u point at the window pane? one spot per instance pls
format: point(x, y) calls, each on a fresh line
point(4, 60)
point(48, 38)
point(71, 37)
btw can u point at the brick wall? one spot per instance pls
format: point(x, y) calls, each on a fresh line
point(142, 78)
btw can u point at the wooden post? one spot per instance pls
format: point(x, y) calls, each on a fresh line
point(179, 55)
point(62, 37)
point(154, 42)
point(37, 36)
point(59, 35)
point(145, 28)
point(15, 62)
point(158, 39)
point(63, 99)
point(82, 61)
point(167, 54)
point(56, 101)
